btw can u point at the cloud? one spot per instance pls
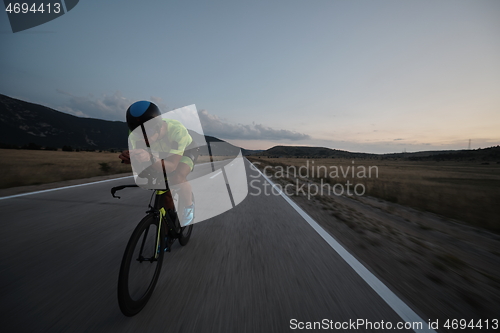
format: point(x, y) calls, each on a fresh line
point(109, 107)
point(399, 139)
point(159, 102)
point(113, 107)
point(213, 125)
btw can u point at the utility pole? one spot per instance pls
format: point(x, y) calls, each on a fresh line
point(469, 144)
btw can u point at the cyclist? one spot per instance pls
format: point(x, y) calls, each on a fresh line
point(173, 140)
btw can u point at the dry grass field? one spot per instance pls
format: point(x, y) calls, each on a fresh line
point(34, 167)
point(206, 158)
point(465, 191)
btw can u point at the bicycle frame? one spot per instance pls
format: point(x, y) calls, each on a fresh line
point(157, 209)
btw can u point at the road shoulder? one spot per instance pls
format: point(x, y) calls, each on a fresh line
point(34, 188)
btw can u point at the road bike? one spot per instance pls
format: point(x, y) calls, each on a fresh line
point(143, 257)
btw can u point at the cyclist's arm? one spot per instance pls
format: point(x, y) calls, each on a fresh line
point(179, 135)
point(170, 163)
point(125, 157)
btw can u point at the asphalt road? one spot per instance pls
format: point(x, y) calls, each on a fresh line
point(252, 269)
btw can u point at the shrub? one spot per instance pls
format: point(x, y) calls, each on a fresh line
point(31, 146)
point(104, 167)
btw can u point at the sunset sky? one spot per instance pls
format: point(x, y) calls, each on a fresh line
point(368, 76)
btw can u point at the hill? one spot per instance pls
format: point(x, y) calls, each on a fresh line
point(310, 152)
point(480, 154)
point(23, 123)
point(487, 154)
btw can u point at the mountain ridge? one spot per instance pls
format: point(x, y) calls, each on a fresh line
point(28, 124)
point(22, 123)
point(484, 154)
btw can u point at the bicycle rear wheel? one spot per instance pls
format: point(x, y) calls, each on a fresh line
point(141, 265)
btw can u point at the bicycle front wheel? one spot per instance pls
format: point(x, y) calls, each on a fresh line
point(141, 265)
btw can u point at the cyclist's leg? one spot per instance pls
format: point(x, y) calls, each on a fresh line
point(177, 179)
point(169, 201)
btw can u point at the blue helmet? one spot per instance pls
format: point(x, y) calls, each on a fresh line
point(140, 112)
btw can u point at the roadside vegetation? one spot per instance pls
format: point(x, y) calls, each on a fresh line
point(35, 167)
point(207, 159)
point(464, 191)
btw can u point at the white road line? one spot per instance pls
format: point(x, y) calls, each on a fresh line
point(403, 310)
point(206, 163)
point(61, 188)
point(218, 173)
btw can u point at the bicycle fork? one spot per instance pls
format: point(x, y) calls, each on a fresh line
point(158, 236)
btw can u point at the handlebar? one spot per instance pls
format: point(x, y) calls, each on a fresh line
point(148, 173)
point(121, 187)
